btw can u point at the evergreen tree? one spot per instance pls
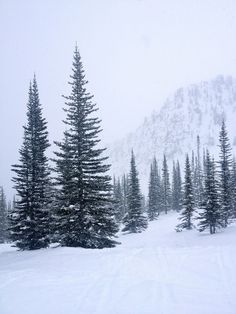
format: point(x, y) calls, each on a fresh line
point(85, 214)
point(153, 201)
point(118, 200)
point(28, 220)
point(210, 216)
point(193, 164)
point(225, 164)
point(233, 190)
point(198, 178)
point(166, 187)
point(204, 162)
point(3, 215)
point(176, 187)
point(125, 192)
point(188, 201)
point(134, 221)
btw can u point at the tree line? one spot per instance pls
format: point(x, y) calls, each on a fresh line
point(205, 198)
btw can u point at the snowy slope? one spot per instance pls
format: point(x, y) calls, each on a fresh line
point(195, 110)
point(158, 271)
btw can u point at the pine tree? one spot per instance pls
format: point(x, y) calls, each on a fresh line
point(134, 221)
point(233, 190)
point(125, 192)
point(85, 214)
point(153, 201)
point(176, 187)
point(28, 220)
point(118, 200)
point(198, 177)
point(204, 161)
point(3, 216)
point(225, 164)
point(210, 216)
point(193, 164)
point(166, 187)
point(188, 201)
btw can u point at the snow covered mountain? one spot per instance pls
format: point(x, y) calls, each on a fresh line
point(196, 109)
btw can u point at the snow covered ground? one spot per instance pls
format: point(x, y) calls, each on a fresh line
point(158, 271)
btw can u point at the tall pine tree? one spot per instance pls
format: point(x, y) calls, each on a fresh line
point(85, 214)
point(134, 221)
point(225, 163)
point(29, 219)
point(210, 217)
point(186, 214)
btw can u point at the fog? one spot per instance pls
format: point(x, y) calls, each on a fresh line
point(134, 52)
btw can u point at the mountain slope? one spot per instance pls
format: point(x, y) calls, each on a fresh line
point(195, 110)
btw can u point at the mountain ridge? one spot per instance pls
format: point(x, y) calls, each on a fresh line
point(197, 109)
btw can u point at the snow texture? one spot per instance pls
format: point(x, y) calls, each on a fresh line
point(158, 271)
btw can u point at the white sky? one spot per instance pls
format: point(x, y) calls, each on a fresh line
point(135, 52)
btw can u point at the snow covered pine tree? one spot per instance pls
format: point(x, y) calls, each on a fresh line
point(134, 220)
point(225, 184)
point(210, 216)
point(29, 219)
point(85, 214)
point(188, 201)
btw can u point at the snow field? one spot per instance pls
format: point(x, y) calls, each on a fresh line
point(158, 271)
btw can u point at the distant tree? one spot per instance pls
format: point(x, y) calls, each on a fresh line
point(85, 215)
point(118, 200)
point(193, 164)
point(166, 186)
point(153, 193)
point(3, 216)
point(125, 191)
point(198, 177)
point(204, 161)
point(28, 221)
point(210, 217)
point(176, 187)
point(225, 164)
point(134, 220)
point(186, 214)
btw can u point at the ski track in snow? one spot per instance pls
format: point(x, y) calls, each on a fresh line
point(157, 271)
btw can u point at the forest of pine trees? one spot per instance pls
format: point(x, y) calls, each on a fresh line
point(205, 199)
point(75, 203)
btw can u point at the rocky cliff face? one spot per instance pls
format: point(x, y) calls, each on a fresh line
point(195, 110)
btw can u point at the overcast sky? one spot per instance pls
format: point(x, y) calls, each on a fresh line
point(135, 52)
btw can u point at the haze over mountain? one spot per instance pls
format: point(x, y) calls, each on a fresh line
point(197, 109)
